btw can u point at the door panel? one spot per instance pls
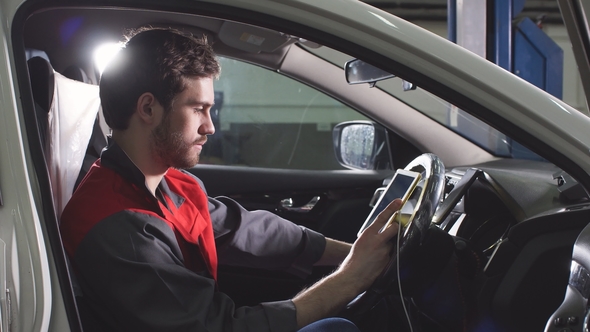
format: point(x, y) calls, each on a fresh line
point(343, 195)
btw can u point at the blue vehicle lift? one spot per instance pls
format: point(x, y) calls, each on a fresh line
point(520, 47)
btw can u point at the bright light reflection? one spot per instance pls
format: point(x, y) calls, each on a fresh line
point(104, 54)
point(383, 19)
point(560, 106)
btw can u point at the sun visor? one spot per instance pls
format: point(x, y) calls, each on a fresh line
point(252, 39)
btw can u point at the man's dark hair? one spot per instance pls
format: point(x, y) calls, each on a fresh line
point(155, 61)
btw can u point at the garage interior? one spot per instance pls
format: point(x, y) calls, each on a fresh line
point(468, 24)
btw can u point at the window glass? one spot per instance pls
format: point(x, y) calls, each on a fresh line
point(264, 119)
point(443, 112)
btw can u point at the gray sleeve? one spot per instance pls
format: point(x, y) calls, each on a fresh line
point(262, 239)
point(131, 271)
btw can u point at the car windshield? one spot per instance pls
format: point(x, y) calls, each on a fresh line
point(441, 111)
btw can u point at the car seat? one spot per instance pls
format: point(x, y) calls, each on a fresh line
point(77, 74)
point(98, 139)
point(66, 112)
point(42, 85)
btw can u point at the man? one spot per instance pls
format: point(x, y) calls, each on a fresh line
point(145, 239)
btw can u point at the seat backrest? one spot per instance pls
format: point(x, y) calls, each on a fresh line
point(42, 81)
point(71, 108)
point(98, 139)
point(42, 85)
point(77, 74)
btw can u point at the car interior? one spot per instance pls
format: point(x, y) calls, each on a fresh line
point(500, 253)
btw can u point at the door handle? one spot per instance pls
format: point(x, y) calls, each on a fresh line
point(287, 205)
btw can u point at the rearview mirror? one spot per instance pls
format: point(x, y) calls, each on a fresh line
point(358, 71)
point(362, 145)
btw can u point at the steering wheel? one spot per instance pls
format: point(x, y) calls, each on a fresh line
point(425, 198)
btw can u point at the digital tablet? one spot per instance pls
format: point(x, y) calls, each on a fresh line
point(401, 186)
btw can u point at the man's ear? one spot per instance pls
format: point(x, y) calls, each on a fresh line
point(146, 107)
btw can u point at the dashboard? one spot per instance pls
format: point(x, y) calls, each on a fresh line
point(519, 220)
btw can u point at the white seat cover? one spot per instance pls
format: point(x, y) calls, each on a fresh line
point(70, 121)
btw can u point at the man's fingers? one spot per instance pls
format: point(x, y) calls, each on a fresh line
point(386, 214)
point(391, 227)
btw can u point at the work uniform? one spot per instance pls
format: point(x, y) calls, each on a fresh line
point(149, 263)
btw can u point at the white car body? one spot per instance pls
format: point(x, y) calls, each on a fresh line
point(30, 295)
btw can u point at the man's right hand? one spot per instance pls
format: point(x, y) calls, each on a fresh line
point(369, 255)
point(371, 251)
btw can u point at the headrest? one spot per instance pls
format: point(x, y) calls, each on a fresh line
point(42, 81)
point(77, 74)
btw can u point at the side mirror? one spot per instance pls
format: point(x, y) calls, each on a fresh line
point(358, 71)
point(362, 145)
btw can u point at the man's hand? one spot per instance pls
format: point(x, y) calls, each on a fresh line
point(371, 251)
point(369, 255)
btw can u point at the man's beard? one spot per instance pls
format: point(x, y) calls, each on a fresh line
point(169, 148)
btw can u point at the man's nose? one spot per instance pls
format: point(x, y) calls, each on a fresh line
point(207, 127)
